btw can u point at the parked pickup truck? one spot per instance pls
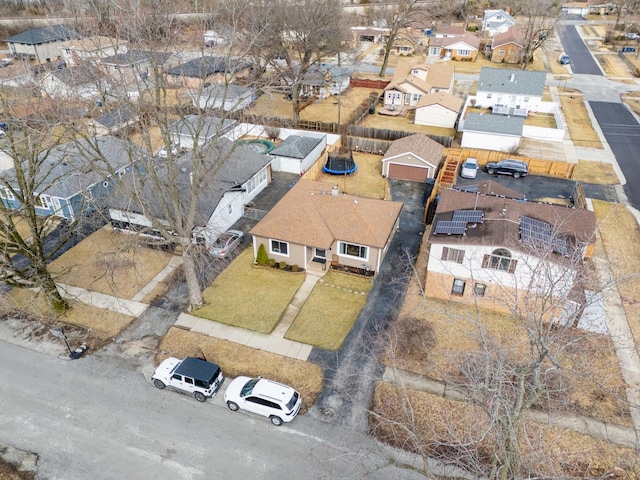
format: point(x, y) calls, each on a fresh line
point(191, 376)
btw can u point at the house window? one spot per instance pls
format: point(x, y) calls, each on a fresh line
point(501, 51)
point(452, 255)
point(43, 201)
point(458, 287)
point(230, 209)
point(526, 99)
point(281, 248)
point(416, 97)
point(352, 250)
point(464, 53)
point(7, 193)
point(500, 259)
point(488, 95)
point(479, 289)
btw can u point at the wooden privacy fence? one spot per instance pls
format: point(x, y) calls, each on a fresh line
point(369, 83)
point(537, 166)
point(391, 135)
point(367, 145)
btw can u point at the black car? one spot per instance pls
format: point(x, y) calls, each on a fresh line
point(508, 166)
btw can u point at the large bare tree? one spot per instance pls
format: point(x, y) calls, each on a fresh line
point(535, 21)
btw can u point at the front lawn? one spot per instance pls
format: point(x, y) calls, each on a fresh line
point(330, 311)
point(249, 297)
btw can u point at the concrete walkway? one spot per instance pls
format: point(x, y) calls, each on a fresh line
point(101, 300)
point(174, 262)
point(621, 435)
point(296, 304)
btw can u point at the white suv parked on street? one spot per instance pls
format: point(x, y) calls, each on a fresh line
point(276, 401)
point(191, 376)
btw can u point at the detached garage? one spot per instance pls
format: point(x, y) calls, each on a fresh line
point(414, 158)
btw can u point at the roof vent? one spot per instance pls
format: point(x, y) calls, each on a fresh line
point(334, 190)
point(513, 77)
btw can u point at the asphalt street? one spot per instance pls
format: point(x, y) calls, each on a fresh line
point(89, 419)
point(582, 62)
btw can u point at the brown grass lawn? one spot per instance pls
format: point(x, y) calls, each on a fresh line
point(633, 100)
point(595, 172)
point(404, 124)
point(109, 263)
point(326, 110)
point(103, 324)
point(613, 66)
point(620, 236)
point(548, 451)
point(454, 330)
point(21, 225)
point(366, 182)
point(249, 297)
point(483, 61)
point(545, 120)
point(330, 311)
point(235, 360)
point(578, 121)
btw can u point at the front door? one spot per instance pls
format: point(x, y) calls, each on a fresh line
point(319, 255)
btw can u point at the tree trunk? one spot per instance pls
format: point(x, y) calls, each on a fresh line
point(191, 277)
point(295, 100)
point(48, 286)
point(385, 60)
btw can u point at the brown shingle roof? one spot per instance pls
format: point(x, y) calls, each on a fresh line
point(501, 225)
point(441, 98)
point(450, 30)
point(418, 144)
point(467, 38)
point(440, 75)
point(513, 35)
point(310, 215)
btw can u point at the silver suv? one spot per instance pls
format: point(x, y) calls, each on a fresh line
point(274, 400)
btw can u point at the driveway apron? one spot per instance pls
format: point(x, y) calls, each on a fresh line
point(351, 372)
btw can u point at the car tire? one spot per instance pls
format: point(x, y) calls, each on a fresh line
point(233, 406)
point(159, 383)
point(491, 171)
point(516, 174)
point(199, 396)
point(277, 421)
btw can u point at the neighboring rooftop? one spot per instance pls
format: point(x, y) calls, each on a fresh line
point(40, 35)
point(512, 81)
point(297, 146)
point(502, 124)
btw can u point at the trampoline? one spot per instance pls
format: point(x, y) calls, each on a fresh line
point(259, 145)
point(340, 165)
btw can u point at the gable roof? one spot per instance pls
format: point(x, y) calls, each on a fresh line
point(117, 117)
point(204, 126)
point(297, 146)
point(439, 75)
point(490, 123)
point(490, 187)
point(513, 35)
point(68, 169)
point(202, 67)
point(419, 145)
point(467, 39)
point(310, 215)
point(82, 74)
point(449, 30)
point(523, 82)
point(40, 35)
point(241, 162)
point(502, 216)
point(90, 44)
point(133, 57)
point(445, 99)
point(229, 91)
point(490, 18)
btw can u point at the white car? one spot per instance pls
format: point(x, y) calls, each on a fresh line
point(274, 400)
point(191, 376)
point(225, 243)
point(164, 152)
point(469, 168)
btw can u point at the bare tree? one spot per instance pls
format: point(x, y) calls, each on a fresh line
point(398, 17)
point(535, 21)
point(293, 37)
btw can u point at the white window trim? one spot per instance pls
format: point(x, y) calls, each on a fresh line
point(45, 201)
point(366, 258)
point(271, 240)
point(7, 194)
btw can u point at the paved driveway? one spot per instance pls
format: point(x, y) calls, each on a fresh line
point(351, 372)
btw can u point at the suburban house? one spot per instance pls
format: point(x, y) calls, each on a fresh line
point(18, 74)
point(198, 129)
point(199, 71)
point(68, 183)
point(575, 8)
point(444, 31)
point(491, 132)
point(464, 48)
point(212, 38)
point(112, 122)
point(408, 41)
point(323, 80)
point(92, 48)
point(298, 152)
point(496, 21)
point(495, 250)
point(243, 175)
point(590, 7)
point(411, 81)
point(415, 157)
point(41, 44)
point(510, 92)
point(507, 47)
point(230, 97)
point(133, 65)
point(82, 81)
point(438, 110)
point(314, 222)
point(370, 35)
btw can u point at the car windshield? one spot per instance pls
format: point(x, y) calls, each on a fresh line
point(248, 387)
point(292, 402)
point(470, 164)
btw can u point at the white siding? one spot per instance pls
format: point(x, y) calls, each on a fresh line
point(487, 141)
point(436, 116)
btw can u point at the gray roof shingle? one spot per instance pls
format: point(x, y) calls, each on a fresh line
point(40, 35)
point(200, 67)
point(523, 82)
point(297, 146)
point(133, 57)
point(502, 124)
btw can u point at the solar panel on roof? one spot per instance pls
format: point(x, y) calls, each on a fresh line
point(533, 231)
point(468, 216)
point(451, 227)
